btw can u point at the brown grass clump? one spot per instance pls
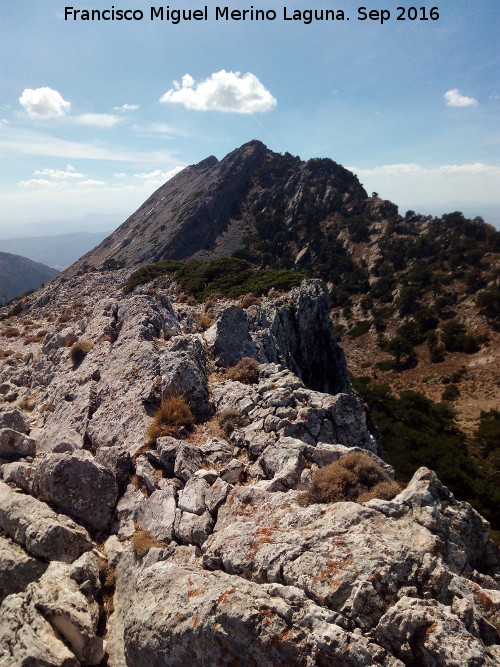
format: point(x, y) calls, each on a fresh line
point(28, 403)
point(11, 332)
point(246, 371)
point(79, 350)
point(229, 420)
point(47, 407)
point(142, 541)
point(63, 317)
point(173, 413)
point(203, 322)
point(6, 353)
point(352, 477)
point(36, 338)
point(70, 340)
point(383, 491)
point(249, 300)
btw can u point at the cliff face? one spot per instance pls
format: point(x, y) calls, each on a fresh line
point(200, 547)
point(208, 209)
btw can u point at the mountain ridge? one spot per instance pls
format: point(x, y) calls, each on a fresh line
point(19, 274)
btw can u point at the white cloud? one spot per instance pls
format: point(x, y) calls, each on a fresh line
point(121, 174)
point(156, 128)
point(454, 98)
point(43, 103)
point(411, 183)
point(156, 178)
point(127, 107)
point(222, 91)
point(412, 169)
point(39, 183)
point(90, 183)
point(59, 173)
point(97, 119)
point(160, 174)
point(21, 142)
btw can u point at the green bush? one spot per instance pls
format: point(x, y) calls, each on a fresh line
point(456, 339)
point(360, 328)
point(149, 272)
point(451, 393)
point(417, 432)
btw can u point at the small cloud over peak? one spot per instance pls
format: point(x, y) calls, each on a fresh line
point(454, 98)
point(103, 120)
point(40, 183)
point(127, 107)
point(43, 103)
point(156, 178)
point(90, 182)
point(59, 174)
point(221, 91)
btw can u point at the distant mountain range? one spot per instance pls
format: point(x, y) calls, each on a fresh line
point(19, 274)
point(58, 251)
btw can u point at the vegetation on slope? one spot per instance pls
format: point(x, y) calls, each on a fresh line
point(228, 276)
point(417, 432)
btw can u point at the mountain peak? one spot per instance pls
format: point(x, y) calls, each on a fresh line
point(211, 209)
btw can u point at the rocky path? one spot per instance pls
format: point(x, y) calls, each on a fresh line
point(199, 549)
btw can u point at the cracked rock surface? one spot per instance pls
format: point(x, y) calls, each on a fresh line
point(196, 548)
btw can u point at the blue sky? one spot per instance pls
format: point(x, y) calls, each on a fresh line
point(91, 121)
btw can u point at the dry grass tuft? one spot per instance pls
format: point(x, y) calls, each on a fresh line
point(28, 403)
point(249, 300)
point(205, 321)
point(11, 332)
point(79, 350)
point(173, 413)
point(142, 541)
point(352, 477)
point(384, 491)
point(6, 353)
point(246, 371)
point(229, 420)
point(70, 340)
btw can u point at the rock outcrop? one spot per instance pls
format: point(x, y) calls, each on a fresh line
point(198, 546)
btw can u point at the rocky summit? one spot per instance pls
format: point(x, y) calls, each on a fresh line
point(158, 459)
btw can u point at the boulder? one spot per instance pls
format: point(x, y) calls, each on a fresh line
point(43, 533)
point(77, 485)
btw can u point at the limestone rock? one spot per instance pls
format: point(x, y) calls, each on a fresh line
point(15, 445)
point(44, 534)
point(55, 621)
point(14, 419)
point(77, 485)
point(17, 569)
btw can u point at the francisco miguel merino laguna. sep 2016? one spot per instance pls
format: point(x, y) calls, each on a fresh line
point(225, 13)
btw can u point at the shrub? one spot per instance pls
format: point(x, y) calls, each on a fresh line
point(450, 393)
point(383, 490)
point(149, 272)
point(249, 300)
point(173, 414)
point(142, 541)
point(246, 371)
point(456, 339)
point(79, 350)
point(360, 328)
point(349, 478)
point(229, 420)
